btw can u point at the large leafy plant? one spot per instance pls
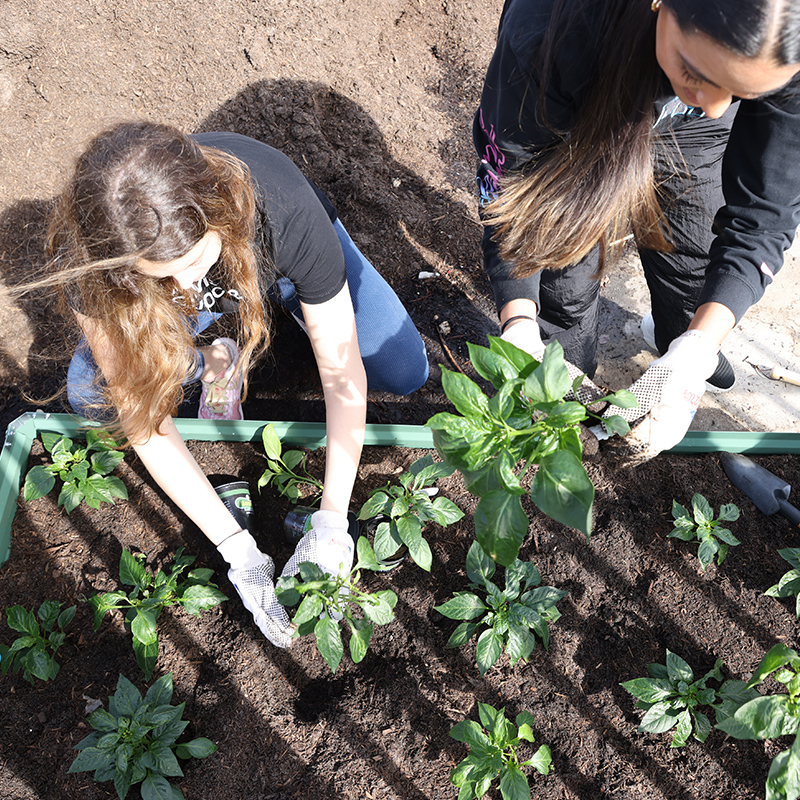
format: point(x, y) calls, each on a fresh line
point(281, 470)
point(772, 716)
point(84, 472)
point(135, 741)
point(325, 599)
point(672, 697)
point(512, 616)
point(407, 508)
point(493, 752)
point(702, 526)
point(150, 595)
point(528, 420)
point(34, 652)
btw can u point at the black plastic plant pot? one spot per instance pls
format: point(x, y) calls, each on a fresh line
point(298, 523)
point(236, 496)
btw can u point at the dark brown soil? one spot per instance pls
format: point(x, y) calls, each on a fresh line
point(287, 727)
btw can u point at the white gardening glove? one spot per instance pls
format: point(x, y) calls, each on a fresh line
point(251, 573)
point(669, 393)
point(328, 544)
point(525, 334)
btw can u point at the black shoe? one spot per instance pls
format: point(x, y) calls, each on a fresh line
point(723, 379)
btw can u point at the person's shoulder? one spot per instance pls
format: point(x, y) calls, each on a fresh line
point(238, 144)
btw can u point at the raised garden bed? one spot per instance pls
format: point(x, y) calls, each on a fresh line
point(287, 728)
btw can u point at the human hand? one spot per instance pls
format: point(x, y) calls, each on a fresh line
point(524, 333)
point(328, 544)
point(252, 575)
point(668, 393)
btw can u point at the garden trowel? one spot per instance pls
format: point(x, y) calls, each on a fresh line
point(769, 492)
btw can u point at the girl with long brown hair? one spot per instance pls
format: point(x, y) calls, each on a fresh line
point(675, 120)
point(156, 236)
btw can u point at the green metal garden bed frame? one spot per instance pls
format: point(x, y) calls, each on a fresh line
point(23, 430)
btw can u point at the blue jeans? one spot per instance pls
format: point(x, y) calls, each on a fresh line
point(391, 348)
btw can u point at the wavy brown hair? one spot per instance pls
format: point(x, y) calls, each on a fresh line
point(143, 190)
point(596, 183)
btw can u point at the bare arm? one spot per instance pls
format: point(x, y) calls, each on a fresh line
point(332, 330)
point(166, 457)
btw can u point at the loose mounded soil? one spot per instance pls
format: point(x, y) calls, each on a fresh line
point(287, 727)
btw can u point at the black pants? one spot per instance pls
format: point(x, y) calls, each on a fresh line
point(689, 163)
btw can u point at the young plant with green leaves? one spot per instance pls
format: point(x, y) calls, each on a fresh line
point(85, 472)
point(700, 525)
point(34, 652)
point(150, 595)
point(672, 697)
point(324, 599)
point(407, 508)
point(513, 617)
point(280, 471)
point(493, 752)
point(789, 584)
point(772, 716)
point(135, 741)
point(528, 420)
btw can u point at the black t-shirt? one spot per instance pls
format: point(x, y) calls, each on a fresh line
point(295, 228)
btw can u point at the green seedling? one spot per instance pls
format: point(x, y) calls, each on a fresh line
point(280, 471)
point(772, 716)
point(84, 472)
point(151, 594)
point(407, 508)
point(493, 752)
point(528, 420)
point(671, 696)
point(789, 584)
point(701, 526)
point(512, 617)
point(324, 599)
point(135, 741)
point(35, 651)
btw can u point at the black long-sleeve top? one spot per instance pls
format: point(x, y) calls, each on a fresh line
point(760, 169)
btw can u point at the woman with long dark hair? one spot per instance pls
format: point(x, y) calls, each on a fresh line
point(158, 234)
point(675, 120)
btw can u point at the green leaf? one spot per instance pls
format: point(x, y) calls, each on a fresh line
point(199, 598)
point(144, 628)
point(197, 748)
point(728, 513)
point(650, 690)
point(464, 394)
point(703, 513)
point(707, 550)
point(480, 568)
point(378, 503)
point(38, 482)
point(500, 525)
point(678, 669)
point(684, 729)
point(132, 571)
point(463, 605)
point(471, 733)
point(514, 784)
point(126, 699)
point(379, 606)
point(329, 642)
point(106, 461)
point(562, 489)
point(488, 650)
point(272, 443)
point(91, 758)
point(70, 497)
point(496, 368)
point(541, 760)
point(762, 718)
point(157, 787)
point(778, 656)
point(462, 634)
point(366, 557)
point(50, 440)
point(387, 541)
point(310, 608)
point(659, 718)
point(160, 693)
point(446, 512)
point(22, 620)
point(146, 656)
point(550, 381)
point(361, 633)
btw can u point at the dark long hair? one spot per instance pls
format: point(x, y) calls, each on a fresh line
point(596, 183)
point(143, 190)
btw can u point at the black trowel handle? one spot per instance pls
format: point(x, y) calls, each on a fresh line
point(791, 513)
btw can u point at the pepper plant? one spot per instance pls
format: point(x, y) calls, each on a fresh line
point(135, 741)
point(493, 752)
point(325, 599)
point(281, 466)
point(84, 471)
point(512, 616)
point(35, 651)
point(672, 697)
point(701, 525)
point(150, 595)
point(407, 508)
point(528, 420)
point(772, 716)
point(789, 584)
